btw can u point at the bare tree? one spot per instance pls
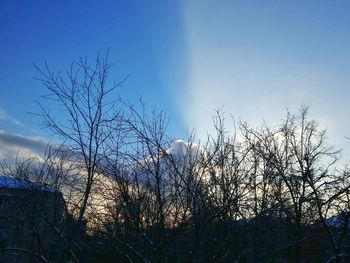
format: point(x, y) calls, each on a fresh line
point(144, 198)
point(39, 221)
point(301, 168)
point(83, 98)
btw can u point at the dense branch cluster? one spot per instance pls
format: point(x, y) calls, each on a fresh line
point(132, 194)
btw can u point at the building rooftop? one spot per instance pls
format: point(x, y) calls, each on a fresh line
point(16, 183)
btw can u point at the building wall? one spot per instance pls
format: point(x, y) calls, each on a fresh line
point(27, 218)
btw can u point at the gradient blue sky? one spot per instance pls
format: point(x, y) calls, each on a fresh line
point(257, 58)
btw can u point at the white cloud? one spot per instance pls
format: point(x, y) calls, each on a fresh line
point(13, 145)
point(4, 116)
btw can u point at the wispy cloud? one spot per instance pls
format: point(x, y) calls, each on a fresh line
point(13, 145)
point(4, 116)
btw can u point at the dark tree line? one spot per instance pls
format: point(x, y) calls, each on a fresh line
point(133, 194)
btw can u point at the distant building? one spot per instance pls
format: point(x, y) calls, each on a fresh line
point(29, 214)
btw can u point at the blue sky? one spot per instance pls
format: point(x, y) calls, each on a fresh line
point(255, 58)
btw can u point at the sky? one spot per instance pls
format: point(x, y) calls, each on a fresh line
point(256, 59)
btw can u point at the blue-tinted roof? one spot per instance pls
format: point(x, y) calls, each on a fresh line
point(16, 183)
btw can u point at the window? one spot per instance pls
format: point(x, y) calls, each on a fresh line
point(5, 202)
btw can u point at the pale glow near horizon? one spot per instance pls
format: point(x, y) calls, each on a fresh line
point(249, 83)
